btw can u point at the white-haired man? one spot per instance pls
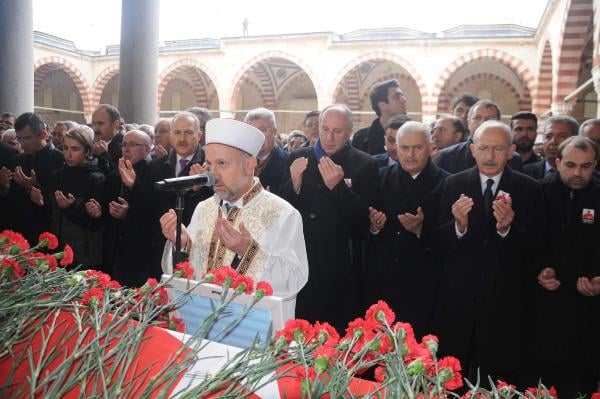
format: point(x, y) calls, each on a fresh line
point(272, 168)
point(332, 185)
point(403, 263)
point(490, 223)
point(242, 225)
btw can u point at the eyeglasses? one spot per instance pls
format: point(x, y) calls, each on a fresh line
point(133, 145)
point(25, 138)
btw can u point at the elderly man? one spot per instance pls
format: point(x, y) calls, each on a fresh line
point(387, 100)
point(591, 130)
point(332, 185)
point(489, 226)
point(8, 118)
point(458, 157)
point(403, 264)
point(106, 122)
point(127, 232)
point(162, 138)
point(59, 130)
point(185, 158)
point(272, 168)
point(567, 296)
point(447, 131)
point(242, 225)
point(556, 130)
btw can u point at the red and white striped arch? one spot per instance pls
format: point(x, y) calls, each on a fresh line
point(346, 78)
point(572, 42)
point(101, 81)
point(255, 65)
point(542, 96)
point(44, 66)
point(199, 76)
point(509, 60)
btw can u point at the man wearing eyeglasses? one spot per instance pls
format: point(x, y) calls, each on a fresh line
point(490, 223)
point(33, 169)
point(126, 233)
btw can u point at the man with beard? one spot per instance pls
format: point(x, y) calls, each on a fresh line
point(403, 264)
point(566, 301)
point(242, 224)
point(556, 130)
point(387, 100)
point(524, 130)
point(490, 223)
point(332, 185)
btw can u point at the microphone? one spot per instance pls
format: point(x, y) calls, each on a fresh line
point(185, 182)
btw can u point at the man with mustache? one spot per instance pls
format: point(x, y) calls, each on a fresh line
point(489, 227)
point(524, 130)
point(556, 130)
point(242, 225)
point(566, 293)
point(106, 122)
point(185, 158)
point(458, 157)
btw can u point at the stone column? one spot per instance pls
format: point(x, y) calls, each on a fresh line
point(562, 108)
point(596, 79)
point(16, 58)
point(138, 64)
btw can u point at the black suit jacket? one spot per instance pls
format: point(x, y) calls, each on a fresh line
point(537, 170)
point(162, 201)
point(109, 160)
point(458, 157)
point(8, 219)
point(277, 171)
point(484, 275)
point(370, 139)
point(331, 218)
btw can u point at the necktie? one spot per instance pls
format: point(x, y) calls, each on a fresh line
point(182, 164)
point(488, 198)
point(550, 171)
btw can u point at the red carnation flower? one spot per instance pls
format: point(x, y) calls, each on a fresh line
point(12, 268)
point(243, 284)
point(93, 297)
point(379, 312)
point(52, 262)
point(326, 334)
point(265, 287)
point(183, 269)
point(8, 238)
point(358, 327)
point(223, 273)
point(301, 374)
point(451, 365)
point(595, 395)
point(380, 374)
point(48, 240)
point(66, 256)
point(114, 284)
point(296, 329)
point(151, 282)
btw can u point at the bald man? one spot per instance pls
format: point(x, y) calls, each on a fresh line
point(489, 225)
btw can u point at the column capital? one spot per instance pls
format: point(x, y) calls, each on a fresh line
point(562, 108)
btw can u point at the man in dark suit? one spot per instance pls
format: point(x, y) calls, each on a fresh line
point(390, 156)
point(567, 294)
point(8, 154)
point(458, 157)
point(387, 100)
point(185, 158)
point(556, 130)
point(106, 122)
point(404, 266)
point(332, 185)
point(489, 221)
point(273, 166)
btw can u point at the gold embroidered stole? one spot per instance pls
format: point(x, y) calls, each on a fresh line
point(216, 251)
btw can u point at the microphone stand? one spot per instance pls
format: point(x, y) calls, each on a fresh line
point(179, 255)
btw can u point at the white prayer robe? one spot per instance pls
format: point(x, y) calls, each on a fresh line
point(277, 253)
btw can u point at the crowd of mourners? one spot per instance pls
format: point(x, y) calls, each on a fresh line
point(483, 233)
